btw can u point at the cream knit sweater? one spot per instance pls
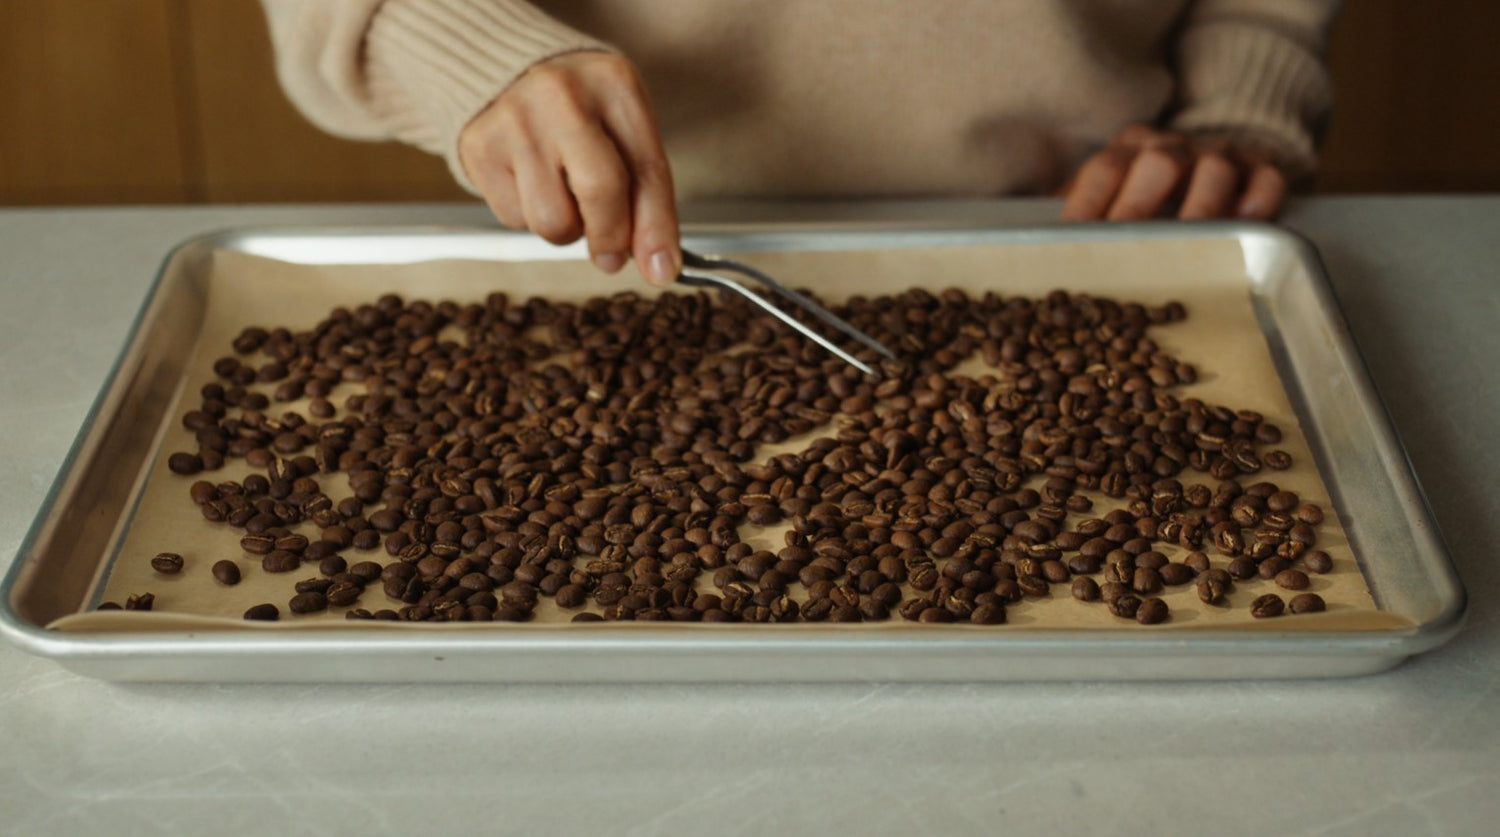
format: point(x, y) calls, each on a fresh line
point(835, 97)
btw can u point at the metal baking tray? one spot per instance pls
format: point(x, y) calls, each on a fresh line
point(62, 561)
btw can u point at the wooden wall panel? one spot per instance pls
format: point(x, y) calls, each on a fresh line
point(256, 147)
point(1417, 97)
point(87, 110)
point(140, 101)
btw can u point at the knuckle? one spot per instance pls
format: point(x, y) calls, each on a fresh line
point(616, 68)
point(1135, 135)
point(1172, 165)
point(555, 226)
point(1113, 164)
point(652, 169)
point(599, 186)
point(549, 84)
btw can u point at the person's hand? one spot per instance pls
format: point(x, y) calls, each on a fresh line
point(571, 150)
point(1144, 173)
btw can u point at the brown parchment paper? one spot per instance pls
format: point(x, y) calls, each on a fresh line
point(1220, 337)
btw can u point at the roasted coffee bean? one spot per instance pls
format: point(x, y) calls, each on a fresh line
point(1306, 603)
point(1267, 606)
point(1111, 590)
point(226, 572)
point(1055, 571)
point(571, 596)
point(203, 492)
point(292, 543)
point(1211, 591)
point(280, 561)
point(184, 463)
point(264, 612)
point(167, 563)
point(258, 544)
point(365, 539)
point(143, 601)
point(988, 614)
point(309, 585)
point(342, 594)
point(935, 615)
point(1278, 459)
point(1152, 611)
point(1269, 568)
point(912, 609)
point(1219, 575)
point(1151, 560)
point(309, 602)
point(1034, 586)
point(1317, 561)
point(1292, 579)
point(1125, 606)
point(1146, 581)
point(1085, 589)
point(1174, 574)
point(1310, 513)
point(1241, 568)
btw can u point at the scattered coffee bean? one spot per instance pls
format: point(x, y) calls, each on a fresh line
point(263, 613)
point(143, 601)
point(1306, 603)
point(309, 602)
point(167, 563)
point(226, 572)
point(1085, 589)
point(1211, 591)
point(1317, 561)
point(568, 461)
point(1152, 611)
point(280, 561)
point(989, 614)
point(1292, 580)
point(1267, 606)
point(184, 463)
point(1125, 606)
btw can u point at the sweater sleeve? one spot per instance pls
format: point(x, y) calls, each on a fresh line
point(1252, 71)
point(411, 70)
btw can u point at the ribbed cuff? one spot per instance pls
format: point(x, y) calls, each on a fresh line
point(433, 65)
point(1254, 84)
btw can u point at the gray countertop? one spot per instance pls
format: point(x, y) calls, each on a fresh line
point(1412, 751)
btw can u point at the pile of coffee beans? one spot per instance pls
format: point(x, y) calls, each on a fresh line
point(466, 462)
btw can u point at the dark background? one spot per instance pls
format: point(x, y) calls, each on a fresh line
point(175, 101)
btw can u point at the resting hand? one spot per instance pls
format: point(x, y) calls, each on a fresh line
point(1144, 172)
point(571, 150)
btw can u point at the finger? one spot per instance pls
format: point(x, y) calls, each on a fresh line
point(1265, 192)
point(1154, 176)
point(546, 204)
point(1211, 190)
point(1096, 184)
point(489, 170)
point(500, 194)
point(600, 186)
point(656, 237)
point(1135, 137)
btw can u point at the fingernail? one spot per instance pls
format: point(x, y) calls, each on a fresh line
point(661, 268)
point(609, 262)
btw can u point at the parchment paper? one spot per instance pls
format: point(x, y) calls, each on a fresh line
point(1220, 337)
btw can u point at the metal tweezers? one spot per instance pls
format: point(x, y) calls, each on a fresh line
point(694, 265)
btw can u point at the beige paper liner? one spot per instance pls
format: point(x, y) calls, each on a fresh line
point(1220, 337)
